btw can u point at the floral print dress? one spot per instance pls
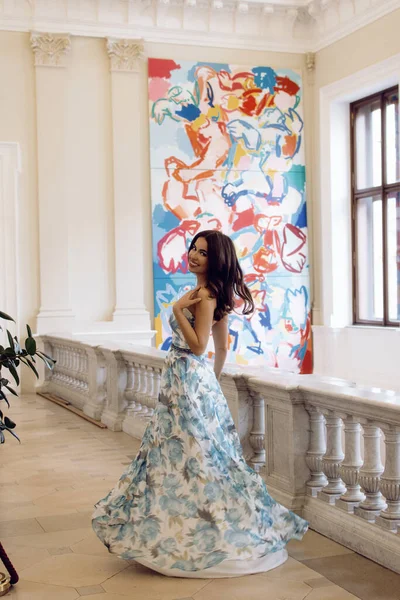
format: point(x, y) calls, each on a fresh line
point(189, 505)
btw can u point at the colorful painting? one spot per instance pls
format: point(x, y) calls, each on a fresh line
point(227, 153)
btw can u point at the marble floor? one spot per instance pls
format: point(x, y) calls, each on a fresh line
point(48, 485)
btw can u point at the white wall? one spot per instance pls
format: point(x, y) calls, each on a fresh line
point(90, 167)
point(365, 62)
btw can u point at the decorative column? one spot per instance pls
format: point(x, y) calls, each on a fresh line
point(390, 481)
point(316, 451)
point(350, 467)
point(131, 211)
point(50, 52)
point(332, 459)
point(370, 475)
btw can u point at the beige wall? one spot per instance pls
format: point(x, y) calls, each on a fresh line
point(360, 50)
point(364, 47)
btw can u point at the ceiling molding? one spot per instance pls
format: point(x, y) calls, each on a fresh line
point(297, 26)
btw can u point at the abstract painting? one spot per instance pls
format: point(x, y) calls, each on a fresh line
point(227, 153)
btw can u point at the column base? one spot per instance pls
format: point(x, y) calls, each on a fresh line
point(367, 515)
point(313, 491)
point(55, 321)
point(135, 317)
point(135, 426)
point(390, 524)
point(112, 419)
point(94, 411)
point(328, 498)
point(347, 506)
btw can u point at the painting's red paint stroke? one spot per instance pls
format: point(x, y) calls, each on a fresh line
point(160, 67)
point(284, 84)
point(229, 83)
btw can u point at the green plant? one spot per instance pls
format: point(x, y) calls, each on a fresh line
point(10, 359)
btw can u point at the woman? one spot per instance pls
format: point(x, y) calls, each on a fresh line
point(189, 505)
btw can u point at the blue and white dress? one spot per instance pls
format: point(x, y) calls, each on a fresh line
point(189, 505)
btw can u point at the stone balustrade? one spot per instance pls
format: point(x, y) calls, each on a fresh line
point(326, 449)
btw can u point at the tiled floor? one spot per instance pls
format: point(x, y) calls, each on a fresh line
point(48, 486)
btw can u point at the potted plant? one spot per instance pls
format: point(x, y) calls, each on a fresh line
point(10, 359)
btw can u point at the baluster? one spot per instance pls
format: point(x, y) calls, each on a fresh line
point(257, 433)
point(142, 392)
point(332, 459)
point(157, 385)
point(132, 386)
point(74, 375)
point(370, 475)
point(316, 450)
point(149, 375)
point(150, 384)
point(390, 480)
point(63, 359)
point(75, 361)
point(136, 388)
point(82, 371)
point(350, 467)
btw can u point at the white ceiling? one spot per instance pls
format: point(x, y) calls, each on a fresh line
point(281, 25)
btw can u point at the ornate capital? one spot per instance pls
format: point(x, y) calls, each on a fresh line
point(125, 55)
point(310, 62)
point(49, 48)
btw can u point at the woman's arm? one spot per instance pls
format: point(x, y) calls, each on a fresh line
point(220, 335)
point(197, 338)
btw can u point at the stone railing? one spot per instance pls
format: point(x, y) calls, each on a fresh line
point(329, 451)
point(118, 384)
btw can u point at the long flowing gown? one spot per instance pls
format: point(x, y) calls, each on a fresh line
point(189, 505)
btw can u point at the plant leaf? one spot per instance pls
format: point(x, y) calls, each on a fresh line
point(14, 434)
point(5, 316)
point(8, 423)
point(4, 397)
point(17, 346)
point(10, 340)
point(46, 355)
point(32, 367)
point(49, 362)
point(30, 345)
point(11, 390)
point(14, 373)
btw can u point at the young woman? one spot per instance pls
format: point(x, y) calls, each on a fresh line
point(189, 505)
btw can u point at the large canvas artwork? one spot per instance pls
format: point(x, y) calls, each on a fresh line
point(227, 153)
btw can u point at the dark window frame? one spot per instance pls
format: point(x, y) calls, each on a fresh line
point(384, 190)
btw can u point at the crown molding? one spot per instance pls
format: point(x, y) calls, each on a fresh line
point(296, 26)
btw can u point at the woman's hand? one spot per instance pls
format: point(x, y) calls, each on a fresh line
point(188, 299)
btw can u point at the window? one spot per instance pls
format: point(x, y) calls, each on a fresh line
point(376, 209)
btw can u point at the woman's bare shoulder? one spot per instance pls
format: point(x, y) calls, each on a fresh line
point(205, 294)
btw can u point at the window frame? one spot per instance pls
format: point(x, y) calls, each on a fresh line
point(384, 190)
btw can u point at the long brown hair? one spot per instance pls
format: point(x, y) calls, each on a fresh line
point(224, 275)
